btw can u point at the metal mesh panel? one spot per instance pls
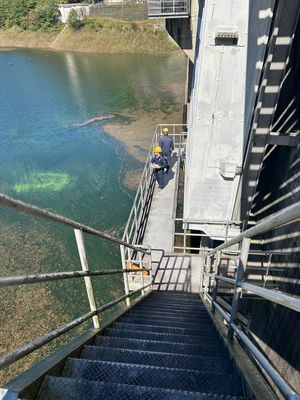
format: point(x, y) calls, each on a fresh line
point(162, 347)
point(142, 375)
point(152, 321)
point(166, 337)
point(180, 361)
point(172, 311)
point(171, 306)
point(167, 329)
point(161, 317)
point(70, 389)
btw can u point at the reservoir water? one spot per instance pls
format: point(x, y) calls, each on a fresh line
point(50, 157)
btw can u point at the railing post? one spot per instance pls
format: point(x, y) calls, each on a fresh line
point(184, 237)
point(150, 266)
point(239, 277)
point(87, 279)
point(135, 217)
point(203, 260)
point(125, 275)
point(215, 287)
point(142, 194)
point(268, 269)
point(206, 278)
point(142, 273)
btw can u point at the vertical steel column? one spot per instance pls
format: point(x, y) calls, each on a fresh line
point(143, 193)
point(268, 268)
point(125, 275)
point(135, 217)
point(239, 277)
point(215, 288)
point(184, 237)
point(206, 277)
point(202, 266)
point(87, 279)
point(150, 267)
point(142, 273)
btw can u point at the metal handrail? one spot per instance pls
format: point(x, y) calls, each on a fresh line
point(186, 234)
point(40, 212)
point(168, 7)
point(275, 296)
point(55, 276)
point(79, 229)
point(281, 383)
point(175, 130)
point(283, 217)
point(29, 348)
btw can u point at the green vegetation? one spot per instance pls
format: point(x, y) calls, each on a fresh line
point(32, 15)
point(101, 35)
point(29, 14)
point(106, 35)
point(36, 24)
point(75, 21)
point(49, 181)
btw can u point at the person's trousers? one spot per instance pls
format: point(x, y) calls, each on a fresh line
point(167, 158)
point(159, 175)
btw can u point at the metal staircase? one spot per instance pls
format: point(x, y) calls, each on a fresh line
point(164, 347)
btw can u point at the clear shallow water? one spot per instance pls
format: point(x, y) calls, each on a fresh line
point(47, 160)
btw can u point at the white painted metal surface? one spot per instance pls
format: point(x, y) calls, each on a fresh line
point(216, 127)
point(87, 279)
point(82, 11)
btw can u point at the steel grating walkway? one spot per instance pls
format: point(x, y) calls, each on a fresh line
point(166, 347)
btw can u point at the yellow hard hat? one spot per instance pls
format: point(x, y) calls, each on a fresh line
point(165, 130)
point(157, 149)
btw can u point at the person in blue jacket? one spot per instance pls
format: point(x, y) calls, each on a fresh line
point(167, 146)
point(158, 163)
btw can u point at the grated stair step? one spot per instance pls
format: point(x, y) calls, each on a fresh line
point(167, 329)
point(144, 375)
point(174, 293)
point(59, 388)
point(160, 306)
point(166, 337)
point(161, 346)
point(152, 321)
point(175, 303)
point(193, 313)
point(166, 347)
point(168, 318)
point(179, 361)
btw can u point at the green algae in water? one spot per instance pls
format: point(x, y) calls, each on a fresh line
point(45, 181)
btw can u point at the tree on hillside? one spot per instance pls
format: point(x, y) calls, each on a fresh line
point(76, 19)
point(12, 11)
point(28, 14)
point(43, 17)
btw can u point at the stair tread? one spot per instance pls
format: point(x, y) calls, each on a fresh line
point(167, 337)
point(167, 378)
point(165, 311)
point(154, 305)
point(163, 317)
point(168, 323)
point(60, 388)
point(160, 346)
point(178, 361)
point(174, 293)
point(162, 329)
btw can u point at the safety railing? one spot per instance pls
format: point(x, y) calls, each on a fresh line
point(86, 274)
point(211, 279)
point(137, 220)
point(168, 8)
point(181, 230)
